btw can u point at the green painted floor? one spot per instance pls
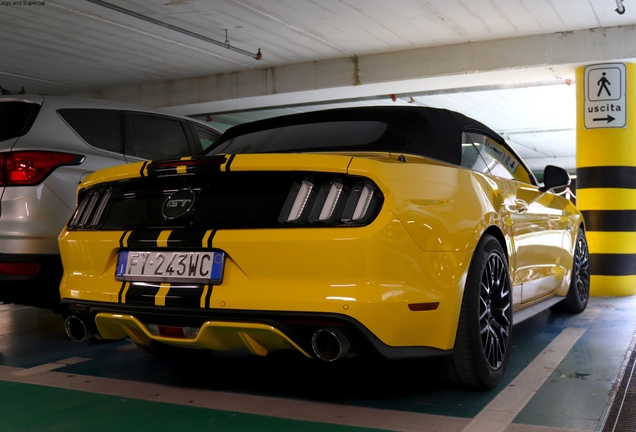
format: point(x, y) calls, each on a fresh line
point(33, 408)
point(49, 383)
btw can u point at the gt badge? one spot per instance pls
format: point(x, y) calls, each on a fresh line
point(179, 204)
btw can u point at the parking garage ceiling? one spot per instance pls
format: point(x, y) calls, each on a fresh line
point(508, 63)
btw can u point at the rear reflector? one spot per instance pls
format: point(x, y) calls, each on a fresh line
point(418, 307)
point(173, 332)
point(19, 268)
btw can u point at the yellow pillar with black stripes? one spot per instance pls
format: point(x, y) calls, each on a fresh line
point(606, 173)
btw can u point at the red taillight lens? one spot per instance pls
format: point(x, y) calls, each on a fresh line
point(27, 168)
point(19, 269)
point(173, 332)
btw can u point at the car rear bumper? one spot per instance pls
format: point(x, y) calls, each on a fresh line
point(258, 331)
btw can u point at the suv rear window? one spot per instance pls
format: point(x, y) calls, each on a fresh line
point(16, 118)
point(100, 128)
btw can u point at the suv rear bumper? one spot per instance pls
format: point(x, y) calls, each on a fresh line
point(41, 288)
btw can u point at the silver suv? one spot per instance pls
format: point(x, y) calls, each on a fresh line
point(47, 146)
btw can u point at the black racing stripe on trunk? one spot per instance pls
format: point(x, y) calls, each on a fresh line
point(606, 177)
point(143, 168)
point(209, 245)
point(142, 294)
point(610, 220)
point(121, 239)
point(613, 264)
point(184, 295)
point(208, 296)
point(182, 239)
point(121, 292)
point(212, 163)
point(229, 162)
point(141, 239)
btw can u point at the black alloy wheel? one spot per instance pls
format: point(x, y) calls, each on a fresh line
point(495, 320)
point(579, 292)
point(484, 332)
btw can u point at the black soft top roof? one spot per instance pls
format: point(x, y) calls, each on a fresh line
point(424, 131)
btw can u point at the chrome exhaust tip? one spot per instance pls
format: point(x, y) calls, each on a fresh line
point(330, 345)
point(78, 329)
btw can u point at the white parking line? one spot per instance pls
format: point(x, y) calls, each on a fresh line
point(503, 409)
point(50, 366)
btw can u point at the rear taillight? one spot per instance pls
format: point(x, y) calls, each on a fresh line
point(28, 168)
point(90, 209)
point(331, 202)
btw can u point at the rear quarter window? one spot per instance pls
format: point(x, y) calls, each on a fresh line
point(16, 118)
point(100, 128)
point(204, 137)
point(156, 137)
point(483, 154)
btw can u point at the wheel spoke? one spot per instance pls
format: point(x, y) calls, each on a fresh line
point(495, 310)
point(581, 270)
point(483, 314)
point(494, 343)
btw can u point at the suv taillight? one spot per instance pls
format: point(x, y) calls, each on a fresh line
point(28, 168)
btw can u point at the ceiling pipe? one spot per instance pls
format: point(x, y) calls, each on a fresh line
point(534, 131)
point(226, 44)
point(619, 7)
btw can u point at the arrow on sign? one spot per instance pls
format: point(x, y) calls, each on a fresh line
point(608, 119)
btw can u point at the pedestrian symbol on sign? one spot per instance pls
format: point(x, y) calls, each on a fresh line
point(603, 83)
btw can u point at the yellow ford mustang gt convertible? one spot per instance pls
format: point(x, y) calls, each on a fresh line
point(397, 232)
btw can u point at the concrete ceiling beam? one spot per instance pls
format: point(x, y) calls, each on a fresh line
point(515, 60)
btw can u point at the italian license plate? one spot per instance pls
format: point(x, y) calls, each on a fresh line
point(163, 266)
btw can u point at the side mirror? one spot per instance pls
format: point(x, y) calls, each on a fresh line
point(554, 177)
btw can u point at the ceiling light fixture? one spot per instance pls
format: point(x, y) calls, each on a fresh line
point(226, 44)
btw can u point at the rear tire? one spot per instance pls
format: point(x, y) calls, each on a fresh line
point(484, 331)
point(579, 292)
